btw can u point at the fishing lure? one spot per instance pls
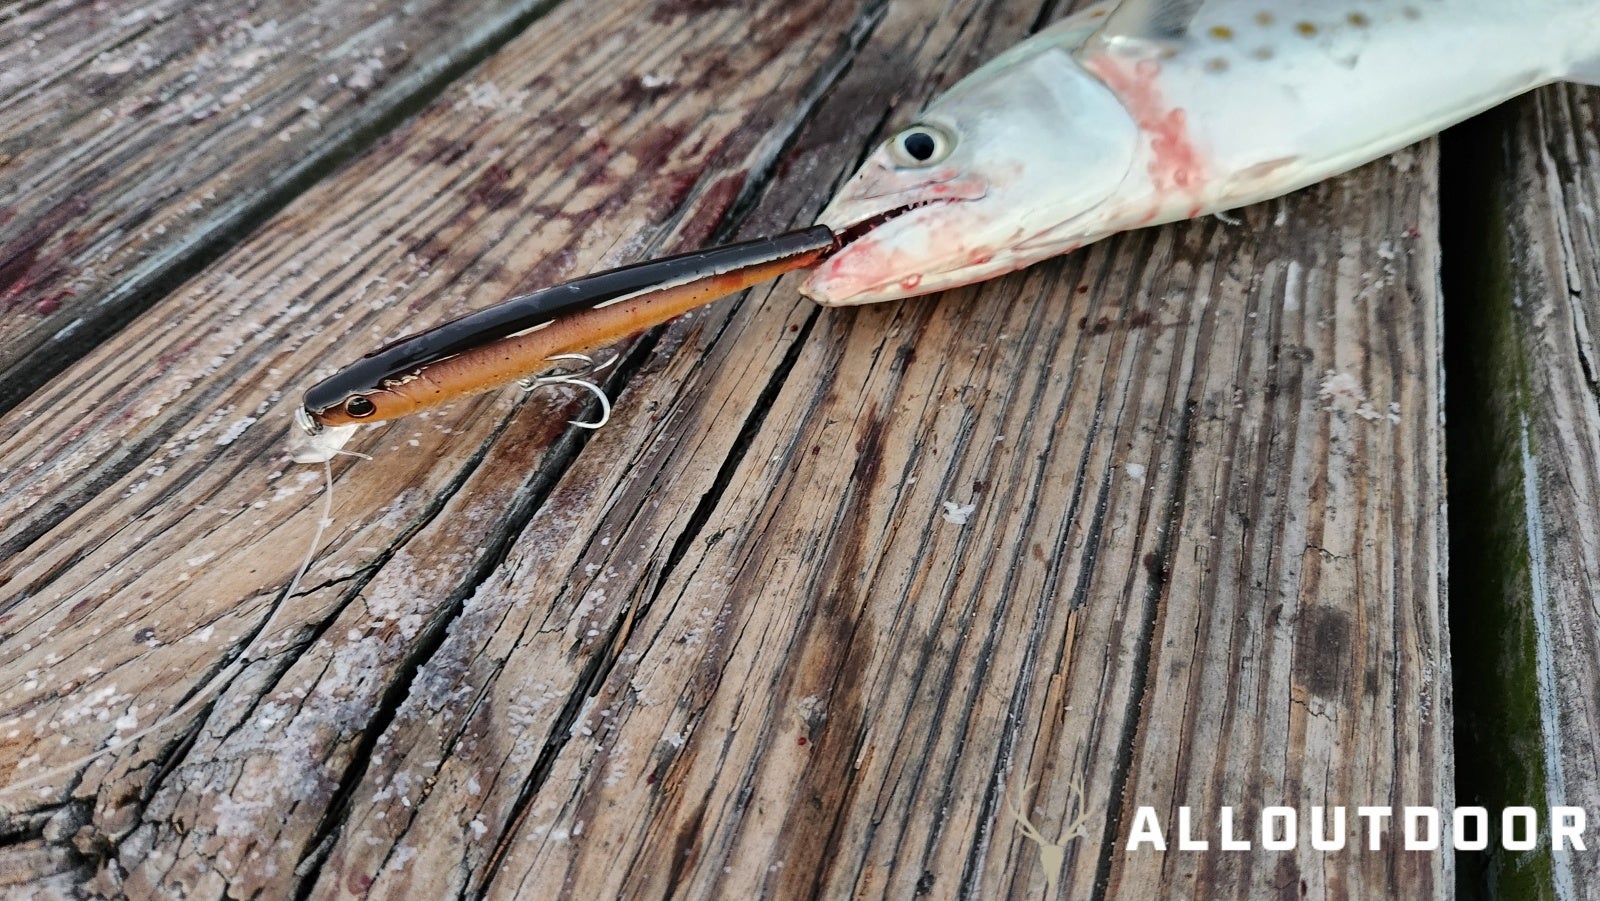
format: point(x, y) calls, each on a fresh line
point(509, 341)
point(1123, 115)
point(1149, 111)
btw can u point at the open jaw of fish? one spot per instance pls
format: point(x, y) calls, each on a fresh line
point(1141, 112)
point(963, 206)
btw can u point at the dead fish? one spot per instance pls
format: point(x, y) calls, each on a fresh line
point(1126, 114)
point(1149, 111)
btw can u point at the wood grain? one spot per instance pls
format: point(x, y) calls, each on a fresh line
point(550, 163)
point(1530, 446)
point(143, 135)
point(733, 643)
point(850, 722)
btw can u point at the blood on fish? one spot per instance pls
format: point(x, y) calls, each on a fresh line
point(1176, 163)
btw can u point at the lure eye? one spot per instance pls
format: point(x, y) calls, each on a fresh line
point(920, 145)
point(360, 407)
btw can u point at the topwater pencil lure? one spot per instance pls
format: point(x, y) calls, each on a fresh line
point(1125, 114)
point(512, 340)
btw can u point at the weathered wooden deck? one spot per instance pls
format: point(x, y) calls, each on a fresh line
point(731, 645)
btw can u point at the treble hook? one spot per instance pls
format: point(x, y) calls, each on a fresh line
point(576, 378)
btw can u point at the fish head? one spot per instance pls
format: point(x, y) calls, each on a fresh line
point(1001, 171)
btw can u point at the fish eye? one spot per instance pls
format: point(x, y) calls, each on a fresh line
point(360, 407)
point(920, 145)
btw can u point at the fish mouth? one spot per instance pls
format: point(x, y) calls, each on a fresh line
point(848, 235)
point(867, 252)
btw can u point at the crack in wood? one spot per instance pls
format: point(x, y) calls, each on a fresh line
point(529, 498)
point(1133, 721)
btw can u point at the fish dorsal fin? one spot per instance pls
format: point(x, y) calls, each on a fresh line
point(1147, 22)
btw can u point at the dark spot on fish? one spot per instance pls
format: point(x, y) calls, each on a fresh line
point(1101, 326)
point(802, 741)
point(1083, 289)
point(1141, 319)
point(144, 635)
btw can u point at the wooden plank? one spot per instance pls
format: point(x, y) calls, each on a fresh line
point(883, 744)
point(1528, 448)
point(156, 527)
point(1174, 550)
point(730, 643)
point(142, 136)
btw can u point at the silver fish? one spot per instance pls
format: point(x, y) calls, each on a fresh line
point(1149, 111)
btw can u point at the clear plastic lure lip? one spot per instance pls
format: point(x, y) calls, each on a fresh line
point(512, 340)
point(321, 445)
